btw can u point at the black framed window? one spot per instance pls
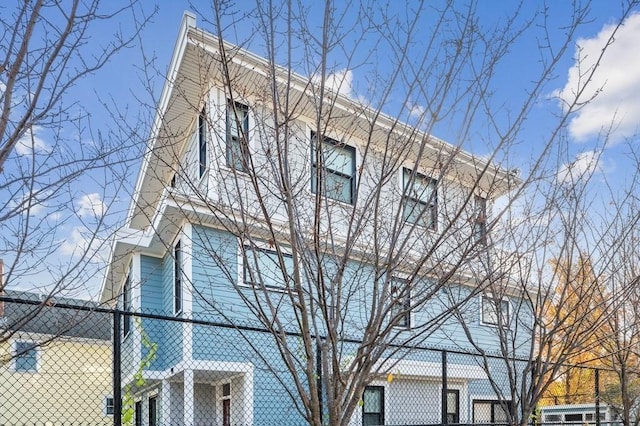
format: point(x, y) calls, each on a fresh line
point(138, 413)
point(495, 312)
point(480, 220)
point(226, 404)
point(126, 306)
point(153, 410)
point(202, 140)
point(401, 299)
point(490, 411)
point(373, 406)
point(177, 278)
point(262, 268)
point(334, 175)
point(420, 201)
point(237, 136)
point(453, 406)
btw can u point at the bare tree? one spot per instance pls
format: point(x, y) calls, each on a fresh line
point(340, 253)
point(59, 173)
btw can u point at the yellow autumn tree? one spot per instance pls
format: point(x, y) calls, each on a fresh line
point(573, 318)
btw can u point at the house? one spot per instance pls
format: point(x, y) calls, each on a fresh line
point(56, 362)
point(204, 238)
point(580, 414)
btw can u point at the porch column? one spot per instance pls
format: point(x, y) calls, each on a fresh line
point(189, 404)
point(165, 403)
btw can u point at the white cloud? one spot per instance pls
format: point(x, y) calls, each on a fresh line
point(616, 82)
point(581, 169)
point(31, 141)
point(341, 82)
point(416, 111)
point(85, 243)
point(33, 203)
point(90, 205)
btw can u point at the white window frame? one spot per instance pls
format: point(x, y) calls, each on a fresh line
point(178, 277)
point(429, 206)
point(326, 169)
point(494, 303)
point(14, 353)
point(105, 405)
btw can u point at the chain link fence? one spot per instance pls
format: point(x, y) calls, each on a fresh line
point(62, 365)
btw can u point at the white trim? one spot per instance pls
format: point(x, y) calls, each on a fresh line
point(164, 413)
point(188, 406)
point(186, 246)
point(136, 303)
point(431, 369)
point(464, 411)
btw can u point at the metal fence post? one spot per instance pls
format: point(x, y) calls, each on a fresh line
point(596, 385)
point(445, 391)
point(117, 388)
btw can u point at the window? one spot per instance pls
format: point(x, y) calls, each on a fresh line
point(237, 134)
point(552, 418)
point(573, 417)
point(261, 267)
point(226, 404)
point(419, 204)
point(177, 278)
point(495, 312)
point(490, 411)
point(453, 406)
point(126, 306)
point(202, 140)
point(480, 220)
point(26, 357)
point(335, 174)
point(401, 299)
point(588, 417)
point(373, 406)
point(109, 407)
point(138, 413)
point(153, 410)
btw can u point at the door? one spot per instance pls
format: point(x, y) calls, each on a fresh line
point(373, 406)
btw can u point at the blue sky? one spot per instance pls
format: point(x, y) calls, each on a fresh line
point(119, 100)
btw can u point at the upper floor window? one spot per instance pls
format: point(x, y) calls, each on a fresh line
point(202, 140)
point(237, 133)
point(262, 268)
point(480, 220)
point(335, 173)
point(401, 300)
point(126, 306)
point(177, 278)
point(26, 357)
point(420, 201)
point(495, 312)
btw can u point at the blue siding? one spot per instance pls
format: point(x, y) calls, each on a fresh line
point(151, 294)
point(171, 349)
